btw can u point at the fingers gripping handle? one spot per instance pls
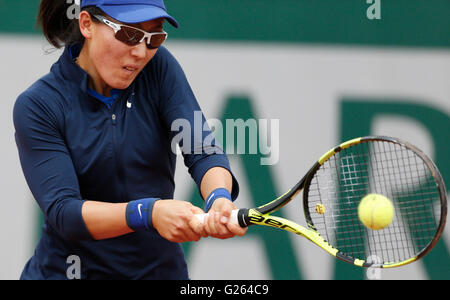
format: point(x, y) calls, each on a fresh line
point(233, 217)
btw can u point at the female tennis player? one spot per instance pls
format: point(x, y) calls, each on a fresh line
point(94, 139)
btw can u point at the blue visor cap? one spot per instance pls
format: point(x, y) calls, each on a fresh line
point(132, 11)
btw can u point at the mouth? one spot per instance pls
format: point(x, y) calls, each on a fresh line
point(130, 69)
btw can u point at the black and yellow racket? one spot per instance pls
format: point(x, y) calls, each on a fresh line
point(333, 190)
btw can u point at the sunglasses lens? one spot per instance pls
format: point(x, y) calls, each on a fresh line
point(157, 40)
point(129, 35)
point(132, 36)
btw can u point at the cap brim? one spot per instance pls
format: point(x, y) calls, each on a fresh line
point(137, 13)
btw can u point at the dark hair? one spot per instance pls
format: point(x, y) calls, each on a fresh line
point(58, 28)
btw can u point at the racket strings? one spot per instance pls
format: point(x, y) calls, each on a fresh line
point(381, 167)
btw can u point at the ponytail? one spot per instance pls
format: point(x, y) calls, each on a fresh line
point(59, 24)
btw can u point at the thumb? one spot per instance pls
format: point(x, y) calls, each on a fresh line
point(196, 210)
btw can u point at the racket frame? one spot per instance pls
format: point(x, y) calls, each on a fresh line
point(261, 215)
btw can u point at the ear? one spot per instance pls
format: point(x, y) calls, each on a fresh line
point(86, 24)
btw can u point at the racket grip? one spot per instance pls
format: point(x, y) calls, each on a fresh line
point(233, 217)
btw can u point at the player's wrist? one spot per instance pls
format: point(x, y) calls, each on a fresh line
point(216, 194)
point(139, 214)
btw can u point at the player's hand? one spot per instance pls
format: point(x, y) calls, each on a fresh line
point(216, 223)
point(175, 221)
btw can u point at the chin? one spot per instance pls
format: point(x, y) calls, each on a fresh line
point(122, 84)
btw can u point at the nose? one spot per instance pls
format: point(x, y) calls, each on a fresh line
point(140, 50)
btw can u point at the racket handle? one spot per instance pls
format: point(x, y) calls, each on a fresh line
point(233, 217)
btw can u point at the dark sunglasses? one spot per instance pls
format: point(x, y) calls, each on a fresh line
point(133, 36)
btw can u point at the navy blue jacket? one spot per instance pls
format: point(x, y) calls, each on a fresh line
point(73, 148)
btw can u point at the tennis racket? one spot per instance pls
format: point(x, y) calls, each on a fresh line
point(333, 188)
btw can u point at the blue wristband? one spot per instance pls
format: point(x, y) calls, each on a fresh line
point(139, 214)
point(217, 193)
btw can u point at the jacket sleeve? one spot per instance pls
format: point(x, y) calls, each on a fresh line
point(183, 116)
point(48, 167)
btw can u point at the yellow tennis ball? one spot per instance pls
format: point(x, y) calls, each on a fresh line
point(375, 211)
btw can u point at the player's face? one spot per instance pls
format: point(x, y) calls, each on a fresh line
point(115, 64)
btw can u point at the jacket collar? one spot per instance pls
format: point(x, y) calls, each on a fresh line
point(70, 70)
point(73, 72)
